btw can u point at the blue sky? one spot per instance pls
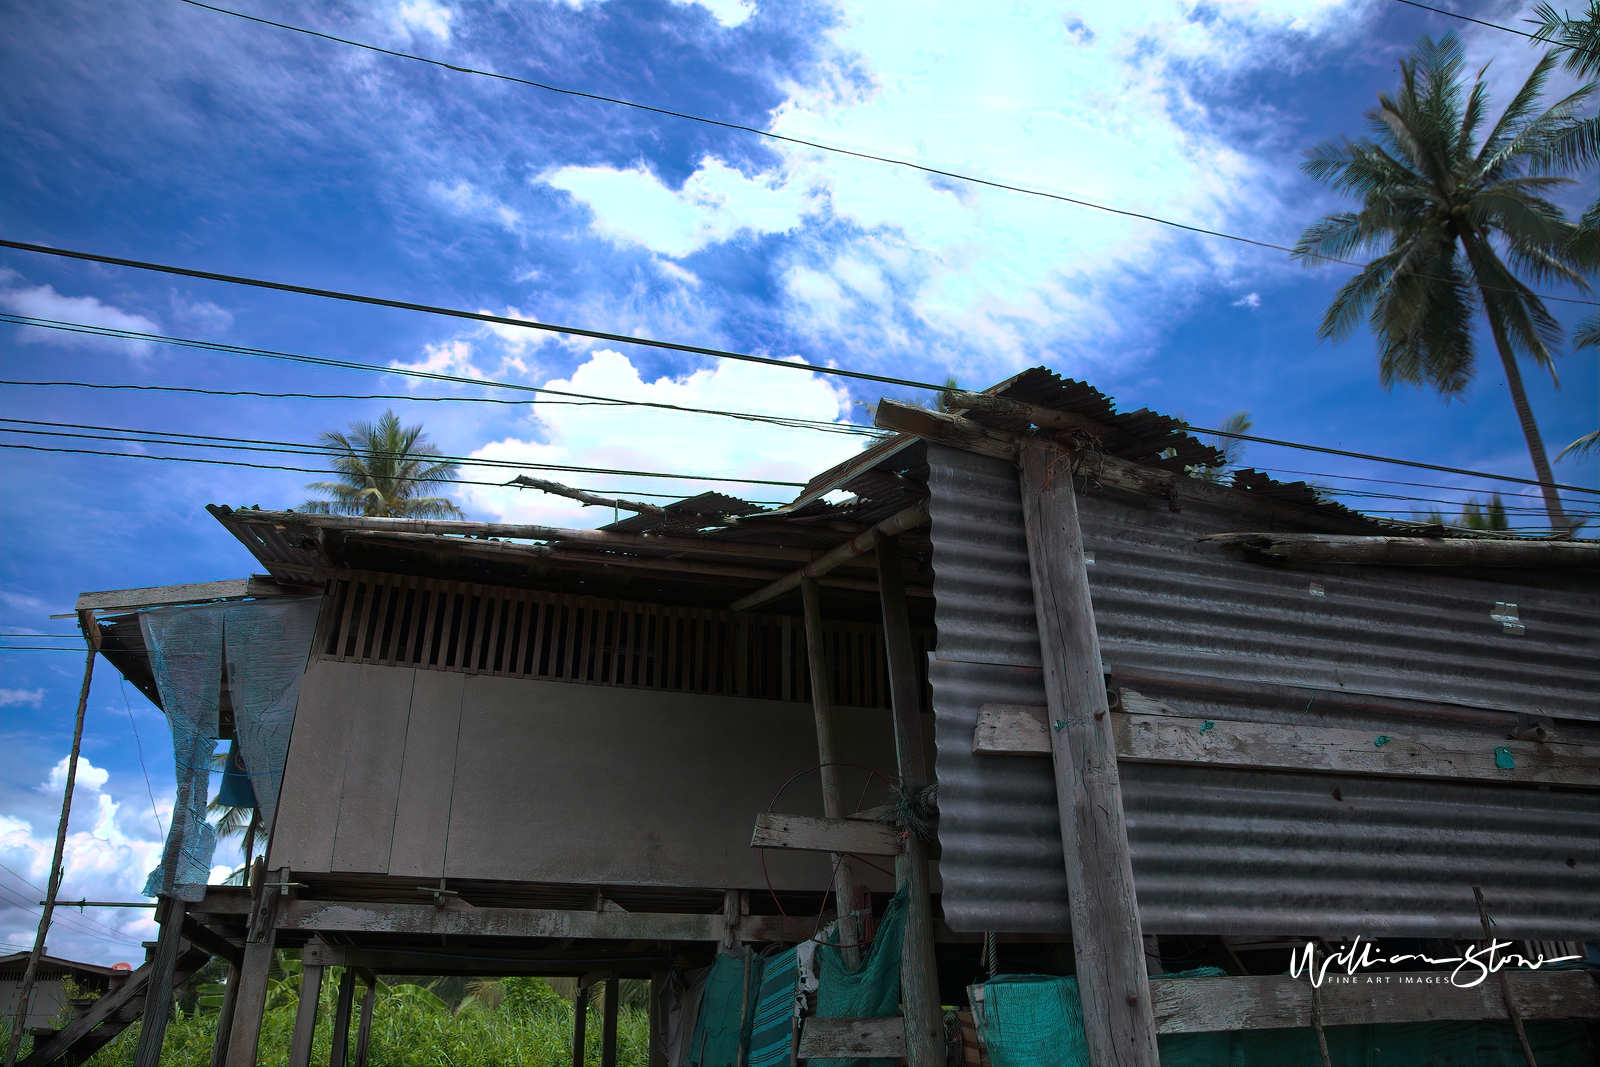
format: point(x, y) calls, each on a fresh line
point(166, 132)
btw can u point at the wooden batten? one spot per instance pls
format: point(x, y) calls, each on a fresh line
point(853, 1038)
point(839, 836)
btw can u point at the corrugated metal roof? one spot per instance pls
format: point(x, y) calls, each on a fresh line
point(1259, 852)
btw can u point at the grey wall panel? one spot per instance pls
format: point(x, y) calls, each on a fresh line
point(373, 755)
point(1220, 851)
point(427, 779)
point(577, 783)
point(313, 777)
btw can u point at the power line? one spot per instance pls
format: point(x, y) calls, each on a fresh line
point(321, 361)
point(1425, 7)
point(250, 444)
point(821, 146)
point(458, 313)
point(122, 683)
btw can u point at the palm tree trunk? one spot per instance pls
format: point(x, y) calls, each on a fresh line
point(1559, 523)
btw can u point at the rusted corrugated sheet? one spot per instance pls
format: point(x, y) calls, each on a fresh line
point(1259, 852)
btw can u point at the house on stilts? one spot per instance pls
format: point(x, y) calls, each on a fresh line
point(1030, 700)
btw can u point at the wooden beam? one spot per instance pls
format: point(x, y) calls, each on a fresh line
point(1109, 945)
point(1416, 551)
point(883, 1038)
point(80, 1025)
point(608, 1022)
point(839, 836)
point(211, 941)
point(305, 1016)
point(1047, 418)
point(308, 916)
point(255, 972)
point(341, 1019)
point(859, 545)
point(919, 971)
point(158, 995)
point(364, 1027)
point(1201, 1005)
point(230, 997)
point(580, 1025)
point(1166, 736)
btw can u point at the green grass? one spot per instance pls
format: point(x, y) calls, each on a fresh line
point(513, 1021)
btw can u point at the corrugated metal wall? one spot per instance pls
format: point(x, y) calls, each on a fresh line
point(1260, 852)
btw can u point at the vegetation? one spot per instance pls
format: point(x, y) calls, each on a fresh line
point(488, 1021)
point(1474, 516)
point(1232, 449)
point(1455, 227)
point(384, 470)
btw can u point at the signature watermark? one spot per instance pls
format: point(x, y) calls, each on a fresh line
point(1473, 966)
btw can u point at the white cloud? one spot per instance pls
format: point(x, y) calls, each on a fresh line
point(655, 440)
point(9, 697)
point(467, 200)
point(447, 357)
point(716, 204)
point(43, 302)
point(89, 777)
point(1248, 300)
point(425, 17)
point(729, 13)
point(24, 602)
point(201, 315)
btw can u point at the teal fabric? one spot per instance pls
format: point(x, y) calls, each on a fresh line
point(1038, 1020)
point(720, 1030)
point(772, 1029)
point(871, 990)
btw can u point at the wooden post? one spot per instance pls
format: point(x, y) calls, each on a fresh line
point(832, 788)
point(305, 1018)
point(657, 1056)
point(608, 1022)
point(1106, 938)
point(341, 1018)
point(254, 973)
point(1505, 983)
point(580, 1024)
point(364, 1029)
point(19, 1025)
point(919, 973)
point(230, 997)
point(158, 994)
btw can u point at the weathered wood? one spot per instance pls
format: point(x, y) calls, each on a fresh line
point(230, 997)
point(580, 1025)
point(656, 1055)
point(158, 994)
point(1118, 1024)
point(1416, 551)
point(608, 1022)
point(851, 1038)
point(838, 836)
point(1504, 981)
point(1011, 730)
point(332, 916)
point(211, 941)
point(305, 1016)
point(80, 1025)
point(1166, 736)
point(364, 1027)
point(255, 973)
point(844, 879)
point(157, 595)
point(1200, 1005)
point(859, 545)
point(1047, 418)
point(341, 1019)
point(919, 972)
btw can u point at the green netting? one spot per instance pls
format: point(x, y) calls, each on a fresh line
point(871, 990)
point(1037, 1021)
point(720, 1034)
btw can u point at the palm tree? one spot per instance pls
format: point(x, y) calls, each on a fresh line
point(1456, 227)
point(383, 466)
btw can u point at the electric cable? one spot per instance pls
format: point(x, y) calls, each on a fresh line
point(819, 145)
point(139, 744)
point(1408, 3)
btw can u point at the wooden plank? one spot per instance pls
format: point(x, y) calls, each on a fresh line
point(853, 1038)
point(427, 776)
point(839, 836)
point(156, 595)
point(313, 778)
point(1200, 1005)
point(132, 990)
point(374, 754)
point(305, 1017)
point(1107, 941)
point(945, 429)
point(309, 916)
point(1170, 738)
point(1416, 551)
point(1011, 730)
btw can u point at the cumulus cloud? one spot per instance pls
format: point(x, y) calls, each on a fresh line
point(667, 441)
point(1248, 300)
point(729, 13)
point(422, 16)
point(10, 697)
point(43, 302)
point(103, 860)
point(716, 204)
point(447, 357)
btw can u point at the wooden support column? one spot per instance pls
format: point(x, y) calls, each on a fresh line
point(305, 1018)
point(657, 1054)
point(230, 997)
point(158, 995)
point(919, 974)
point(580, 1024)
point(608, 1022)
point(827, 754)
point(251, 1003)
point(1106, 937)
point(364, 1028)
point(341, 1018)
